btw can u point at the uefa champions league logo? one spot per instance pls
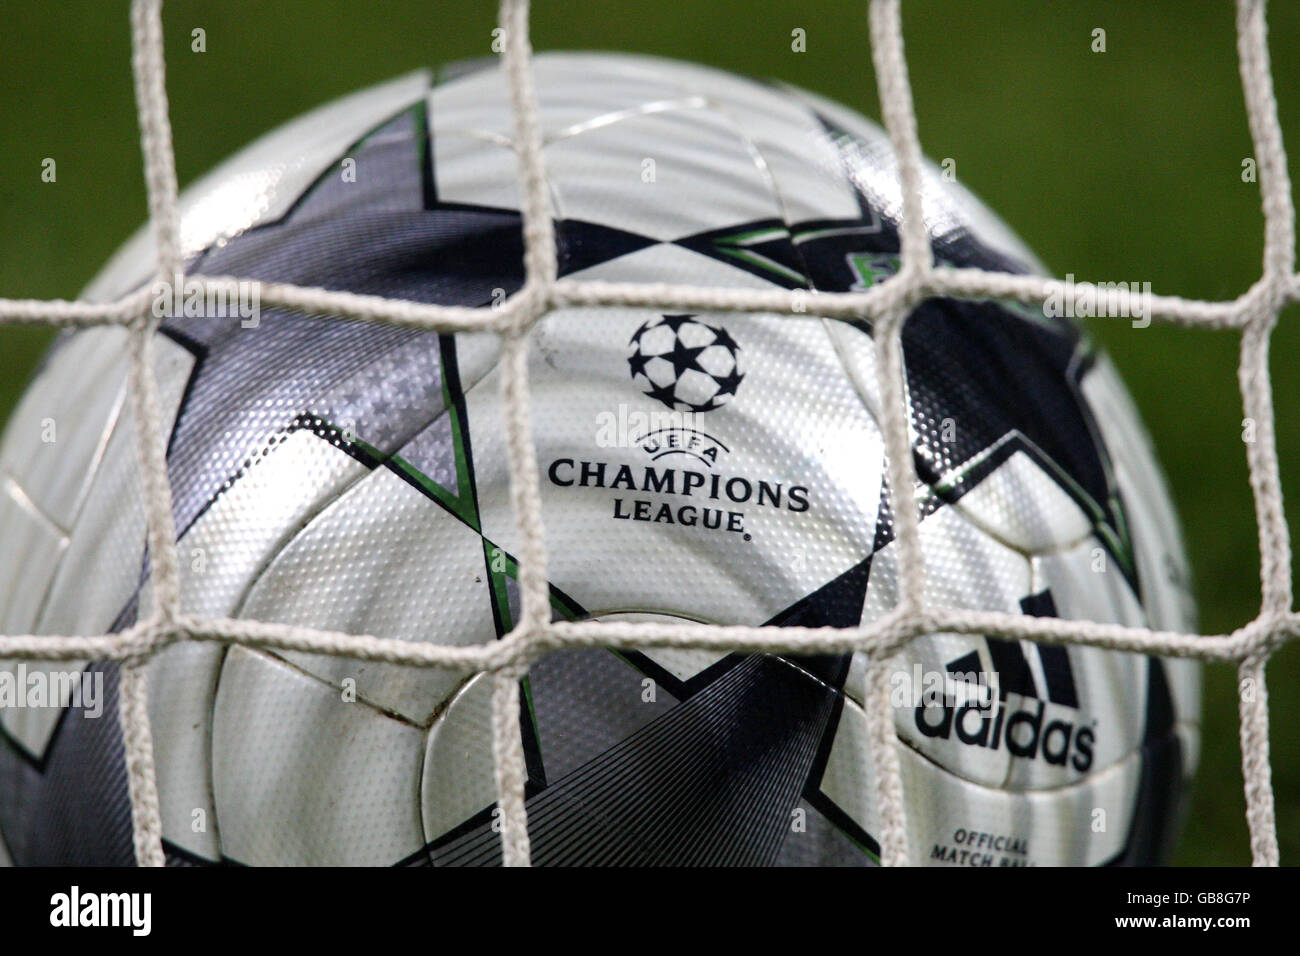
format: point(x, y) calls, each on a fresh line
point(687, 365)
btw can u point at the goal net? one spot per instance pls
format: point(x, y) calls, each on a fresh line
point(886, 306)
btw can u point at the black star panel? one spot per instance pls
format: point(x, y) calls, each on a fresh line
point(732, 760)
point(384, 234)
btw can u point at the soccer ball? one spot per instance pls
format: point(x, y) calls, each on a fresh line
point(715, 468)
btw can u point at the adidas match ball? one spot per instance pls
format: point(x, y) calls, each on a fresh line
point(708, 468)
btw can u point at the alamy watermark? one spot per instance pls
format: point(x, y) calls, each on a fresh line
point(926, 688)
point(189, 298)
point(22, 689)
point(1100, 299)
point(78, 908)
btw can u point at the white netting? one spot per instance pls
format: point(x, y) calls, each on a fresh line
point(1255, 313)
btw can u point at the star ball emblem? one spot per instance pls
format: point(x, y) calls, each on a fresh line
point(684, 363)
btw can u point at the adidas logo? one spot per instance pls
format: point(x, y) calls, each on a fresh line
point(1023, 730)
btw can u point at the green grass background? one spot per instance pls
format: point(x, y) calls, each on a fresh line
point(1123, 165)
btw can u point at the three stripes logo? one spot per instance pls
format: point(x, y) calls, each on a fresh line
point(1025, 730)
